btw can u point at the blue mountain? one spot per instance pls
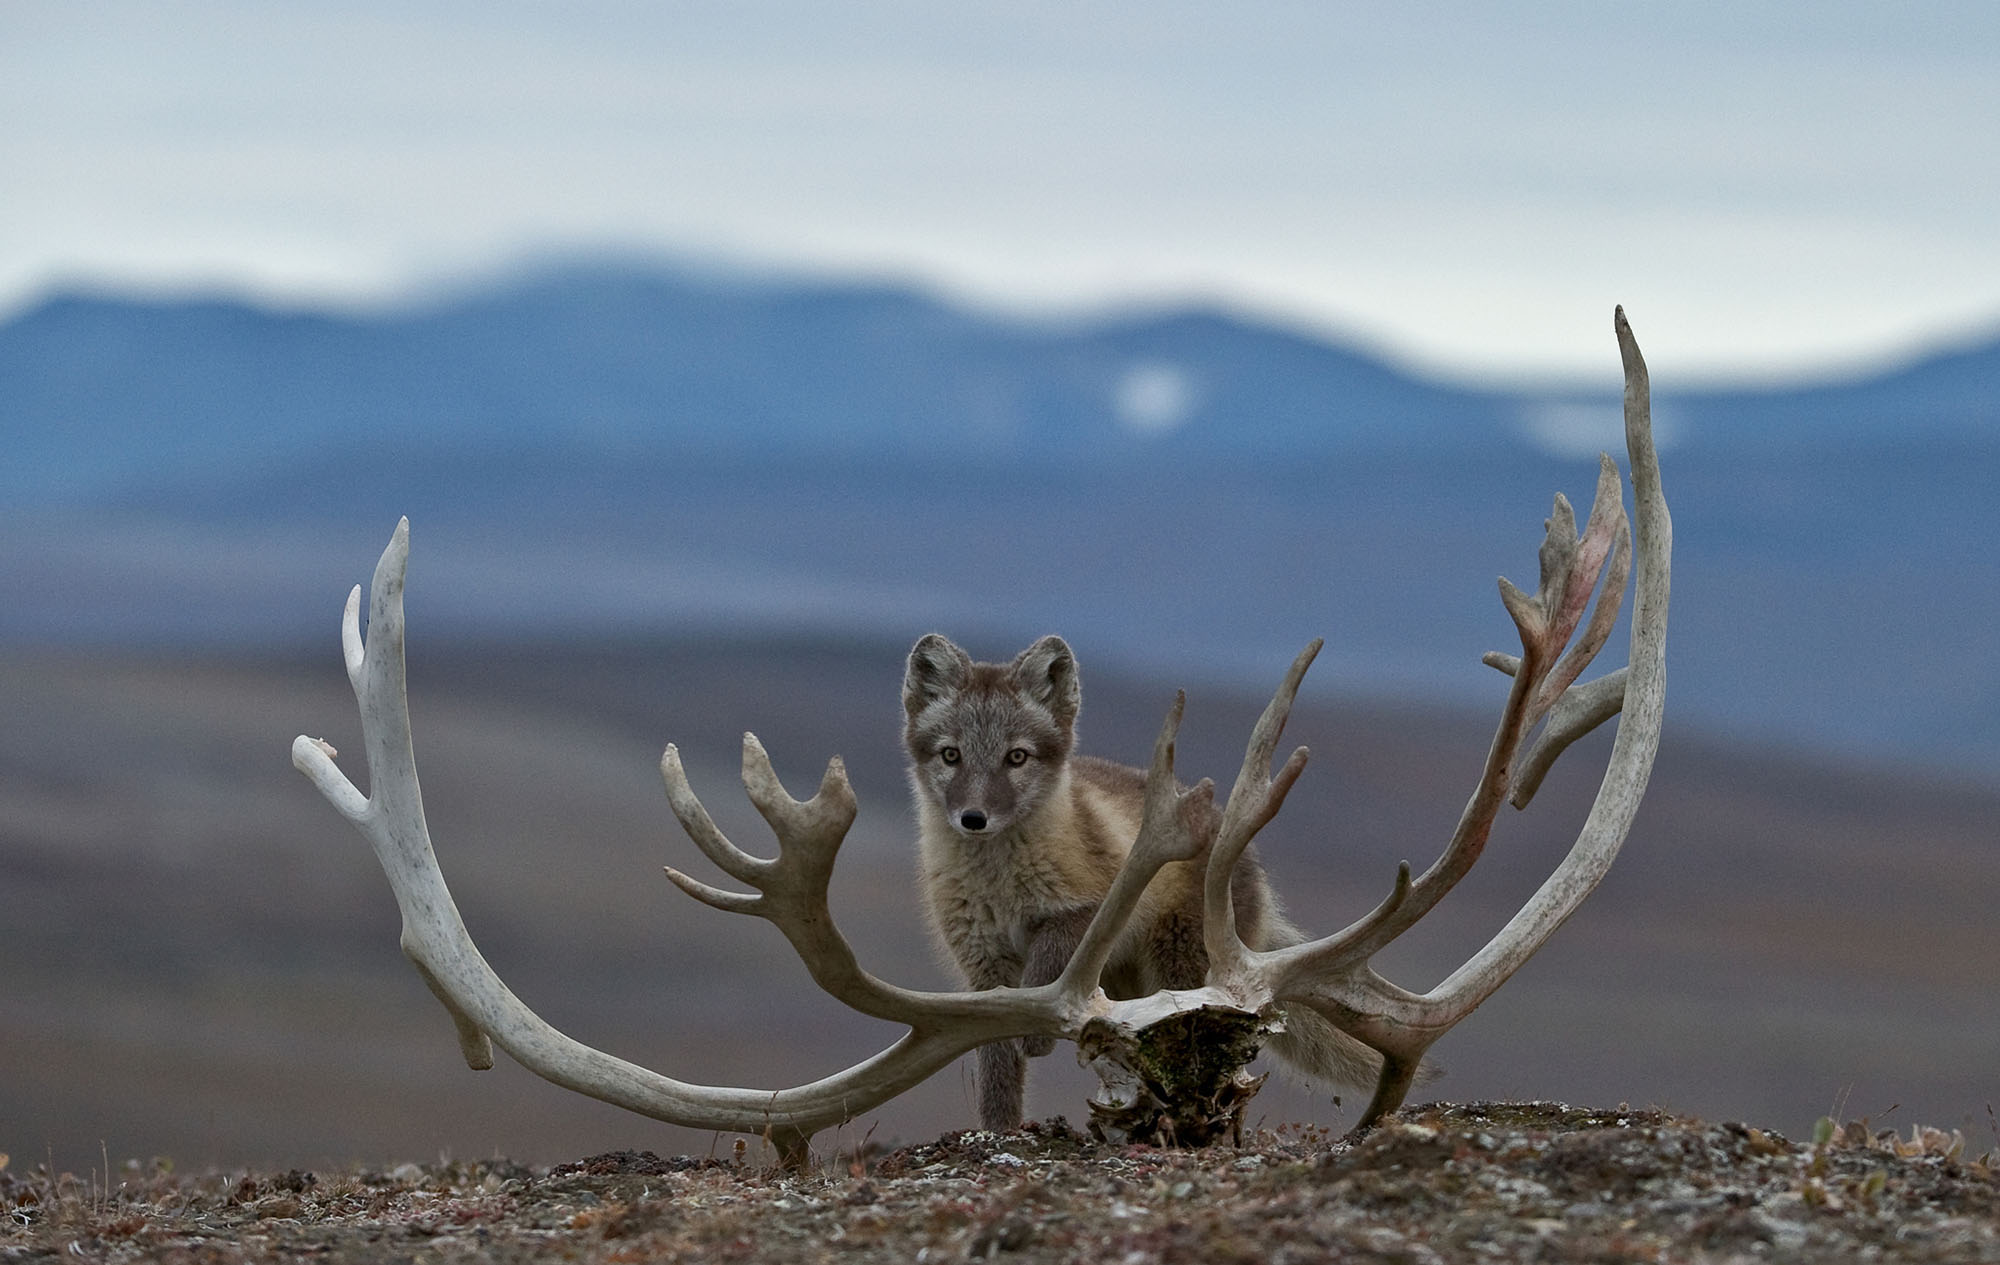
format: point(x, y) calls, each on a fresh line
point(110, 395)
point(104, 393)
point(1949, 399)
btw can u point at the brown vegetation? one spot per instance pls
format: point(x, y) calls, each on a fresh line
point(1523, 1182)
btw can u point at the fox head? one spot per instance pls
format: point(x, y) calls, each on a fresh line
point(988, 741)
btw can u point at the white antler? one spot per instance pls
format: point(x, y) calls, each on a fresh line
point(791, 893)
point(1332, 975)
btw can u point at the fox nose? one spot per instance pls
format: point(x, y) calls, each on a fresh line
point(972, 819)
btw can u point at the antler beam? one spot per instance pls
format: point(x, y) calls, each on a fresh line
point(791, 893)
point(1332, 975)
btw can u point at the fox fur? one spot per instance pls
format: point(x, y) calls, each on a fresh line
point(1019, 837)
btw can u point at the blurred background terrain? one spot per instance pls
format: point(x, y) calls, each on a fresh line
point(717, 357)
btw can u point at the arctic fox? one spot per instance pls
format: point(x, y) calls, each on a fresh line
point(1019, 838)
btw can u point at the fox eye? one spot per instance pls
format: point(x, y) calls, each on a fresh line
point(1018, 756)
point(948, 754)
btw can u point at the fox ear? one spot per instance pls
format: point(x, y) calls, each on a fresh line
point(1046, 673)
point(935, 669)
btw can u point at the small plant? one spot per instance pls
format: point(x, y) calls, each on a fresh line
point(1821, 1187)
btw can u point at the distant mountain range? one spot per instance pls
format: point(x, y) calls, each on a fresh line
point(104, 395)
point(601, 450)
point(107, 393)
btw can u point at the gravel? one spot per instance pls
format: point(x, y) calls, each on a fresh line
point(1444, 1183)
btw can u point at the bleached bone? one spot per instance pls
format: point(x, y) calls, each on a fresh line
point(790, 892)
point(1331, 975)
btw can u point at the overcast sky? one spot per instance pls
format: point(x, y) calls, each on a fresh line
point(1768, 188)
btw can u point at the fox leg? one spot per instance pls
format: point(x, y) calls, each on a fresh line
point(1002, 1071)
point(1003, 1084)
point(1052, 943)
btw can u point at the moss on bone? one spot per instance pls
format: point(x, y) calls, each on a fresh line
point(1179, 1080)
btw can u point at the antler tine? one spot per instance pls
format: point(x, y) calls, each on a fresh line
point(353, 651)
point(1559, 547)
point(391, 817)
point(1569, 566)
point(1253, 801)
point(1574, 711)
point(792, 889)
point(1527, 615)
point(1605, 551)
point(817, 824)
point(1176, 825)
point(809, 835)
point(1163, 833)
point(1580, 709)
point(700, 827)
point(314, 758)
point(1586, 560)
point(715, 897)
point(1399, 892)
point(1258, 792)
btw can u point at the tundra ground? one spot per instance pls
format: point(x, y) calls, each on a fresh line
point(1517, 1182)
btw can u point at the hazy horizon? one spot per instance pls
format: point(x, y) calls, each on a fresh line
point(1465, 190)
point(424, 289)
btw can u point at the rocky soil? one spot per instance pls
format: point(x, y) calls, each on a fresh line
point(1485, 1181)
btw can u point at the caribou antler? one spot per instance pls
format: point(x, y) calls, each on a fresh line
point(1332, 975)
point(791, 893)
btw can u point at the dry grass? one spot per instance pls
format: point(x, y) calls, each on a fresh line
point(1538, 1181)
